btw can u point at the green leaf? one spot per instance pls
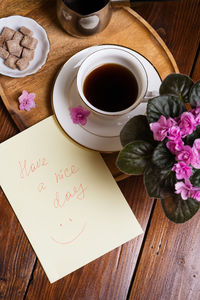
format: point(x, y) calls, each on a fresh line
point(166, 105)
point(162, 157)
point(194, 97)
point(189, 140)
point(177, 85)
point(169, 181)
point(195, 178)
point(177, 209)
point(155, 179)
point(136, 128)
point(134, 158)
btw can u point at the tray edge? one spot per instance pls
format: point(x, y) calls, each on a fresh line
point(156, 36)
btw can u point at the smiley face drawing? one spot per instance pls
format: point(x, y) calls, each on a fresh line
point(75, 232)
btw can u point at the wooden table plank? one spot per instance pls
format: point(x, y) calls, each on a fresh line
point(169, 264)
point(170, 261)
point(16, 255)
point(196, 69)
point(8, 127)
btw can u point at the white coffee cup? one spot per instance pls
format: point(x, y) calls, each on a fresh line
point(113, 56)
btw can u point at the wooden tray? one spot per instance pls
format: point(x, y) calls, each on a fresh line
point(126, 28)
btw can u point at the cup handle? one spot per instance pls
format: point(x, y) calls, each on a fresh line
point(150, 95)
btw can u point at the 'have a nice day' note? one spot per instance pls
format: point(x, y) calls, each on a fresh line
point(65, 198)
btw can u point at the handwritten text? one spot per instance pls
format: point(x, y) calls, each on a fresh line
point(78, 193)
point(66, 173)
point(28, 168)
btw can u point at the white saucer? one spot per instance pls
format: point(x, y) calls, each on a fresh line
point(100, 133)
point(41, 51)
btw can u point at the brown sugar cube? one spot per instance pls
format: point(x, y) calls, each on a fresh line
point(28, 53)
point(29, 42)
point(1, 40)
point(22, 63)
point(11, 61)
point(18, 36)
point(3, 53)
point(14, 48)
point(26, 31)
point(7, 33)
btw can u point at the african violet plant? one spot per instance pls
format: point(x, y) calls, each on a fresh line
point(164, 145)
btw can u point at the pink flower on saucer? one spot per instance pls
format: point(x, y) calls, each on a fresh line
point(79, 115)
point(26, 101)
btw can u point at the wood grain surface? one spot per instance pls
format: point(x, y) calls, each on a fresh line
point(126, 28)
point(163, 263)
point(169, 248)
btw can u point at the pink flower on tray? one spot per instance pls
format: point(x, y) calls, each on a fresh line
point(26, 101)
point(79, 115)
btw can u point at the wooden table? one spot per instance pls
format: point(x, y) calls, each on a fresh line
point(164, 262)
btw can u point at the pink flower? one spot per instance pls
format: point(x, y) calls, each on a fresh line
point(196, 145)
point(187, 123)
point(160, 128)
point(177, 119)
point(196, 113)
point(175, 146)
point(197, 110)
point(182, 170)
point(195, 194)
point(187, 190)
point(184, 189)
point(26, 101)
point(196, 150)
point(197, 119)
point(79, 115)
point(186, 155)
point(174, 133)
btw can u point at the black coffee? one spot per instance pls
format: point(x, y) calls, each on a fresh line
point(111, 87)
point(85, 7)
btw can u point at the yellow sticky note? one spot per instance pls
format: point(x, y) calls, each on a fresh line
point(65, 198)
